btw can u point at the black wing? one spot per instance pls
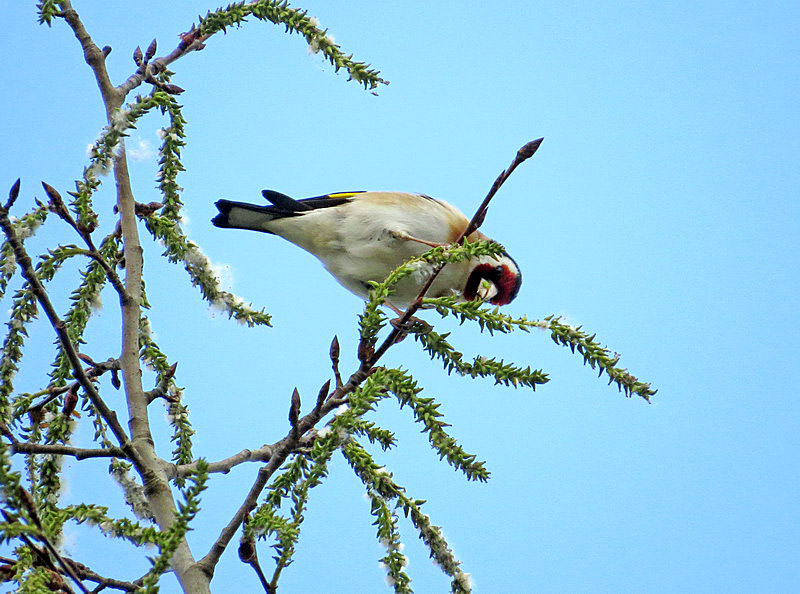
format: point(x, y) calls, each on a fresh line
point(288, 206)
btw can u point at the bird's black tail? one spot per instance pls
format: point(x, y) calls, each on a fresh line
point(241, 215)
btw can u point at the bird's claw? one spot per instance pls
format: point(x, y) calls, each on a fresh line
point(412, 325)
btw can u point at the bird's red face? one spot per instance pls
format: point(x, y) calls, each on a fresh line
point(504, 277)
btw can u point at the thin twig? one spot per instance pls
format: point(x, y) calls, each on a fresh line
point(57, 206)
point(53, 392)
point(249, 554)
point(334, 354)
point(28, 272)
point(523, 154)
point(102, 582)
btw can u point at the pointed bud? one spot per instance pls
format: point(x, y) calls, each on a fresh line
point(171, 371)
point(13, 193)
point(137, 56)
point(247, 550)
point(151, 51)
point(70, 400)
point(56, 202)
point(526, 152)
point(86, 359)
point(335, 349)
point(294, 411)
point(323, 393)
point(52, 193)
point(173, 89)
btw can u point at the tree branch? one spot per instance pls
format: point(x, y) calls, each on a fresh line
point(280, 451)
point(84, 573)
point(262, 454)
point(148, 464)
point(189, 42)
point(94, 56)
point(23, 447)
point(103, 582)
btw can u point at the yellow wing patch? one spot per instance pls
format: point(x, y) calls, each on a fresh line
point(343, 194)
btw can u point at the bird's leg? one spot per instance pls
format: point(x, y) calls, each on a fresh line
point(412, 323)
point(400, 313)
point(406, 237)
point(396, 322)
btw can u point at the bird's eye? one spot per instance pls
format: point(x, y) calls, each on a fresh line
point(498, 269)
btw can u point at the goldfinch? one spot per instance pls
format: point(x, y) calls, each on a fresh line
point(363, 236)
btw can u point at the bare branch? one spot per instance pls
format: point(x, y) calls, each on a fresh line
point(262, 454)
point(209, 562)
point(22, 447)
point(102, 582)
point(523, 154)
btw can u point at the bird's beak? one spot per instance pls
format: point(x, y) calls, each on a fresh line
point(486, 290)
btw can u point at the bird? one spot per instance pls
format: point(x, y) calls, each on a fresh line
point(362, 236)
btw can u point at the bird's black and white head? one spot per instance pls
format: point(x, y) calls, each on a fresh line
point(496, 280)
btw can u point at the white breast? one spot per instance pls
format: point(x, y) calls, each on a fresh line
point(354, 241)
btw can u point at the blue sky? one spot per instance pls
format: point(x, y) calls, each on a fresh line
point(661, 212)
